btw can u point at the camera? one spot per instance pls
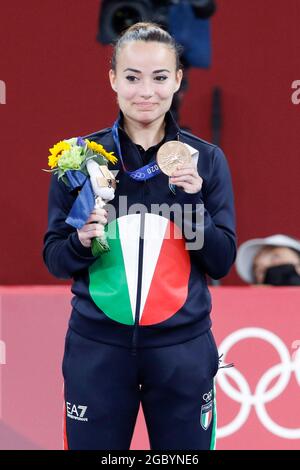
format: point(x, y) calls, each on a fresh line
point(187, 21)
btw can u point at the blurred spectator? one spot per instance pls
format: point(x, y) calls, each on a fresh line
point(273, 260)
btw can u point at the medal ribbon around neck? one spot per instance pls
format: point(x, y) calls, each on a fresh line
point(141, 174)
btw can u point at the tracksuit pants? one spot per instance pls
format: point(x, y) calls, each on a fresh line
point(105, 384)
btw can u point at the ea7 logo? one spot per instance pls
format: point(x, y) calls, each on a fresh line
point(76, 412)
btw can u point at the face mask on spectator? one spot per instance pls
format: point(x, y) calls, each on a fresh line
point(282, 275)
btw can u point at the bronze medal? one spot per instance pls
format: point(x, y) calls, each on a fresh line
point(171, 154)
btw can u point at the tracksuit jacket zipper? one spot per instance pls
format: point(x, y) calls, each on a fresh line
point(139, 277)
point(140, 267)
point(139, 286)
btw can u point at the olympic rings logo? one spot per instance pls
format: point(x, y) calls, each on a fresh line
point(207, 396)
point(262, 394)
point(138, 175)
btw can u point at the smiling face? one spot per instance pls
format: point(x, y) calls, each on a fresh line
point(270, 256)
point(145, 80)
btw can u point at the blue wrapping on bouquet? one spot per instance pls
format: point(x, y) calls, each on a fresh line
point(82, 208)
point(85, 201)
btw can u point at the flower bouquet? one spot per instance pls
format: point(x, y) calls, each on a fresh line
point(82, 164)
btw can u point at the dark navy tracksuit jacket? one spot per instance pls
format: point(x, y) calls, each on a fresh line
point(139, 330)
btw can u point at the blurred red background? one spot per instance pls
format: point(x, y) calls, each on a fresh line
point(56, 76)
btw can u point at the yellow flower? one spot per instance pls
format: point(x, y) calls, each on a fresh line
point(98, 148)
point(56, 152)
point(52, 161)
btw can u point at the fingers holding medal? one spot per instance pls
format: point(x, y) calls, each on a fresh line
point(188, 178)
point(175, 160)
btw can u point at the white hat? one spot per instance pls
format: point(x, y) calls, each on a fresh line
point(248, 250)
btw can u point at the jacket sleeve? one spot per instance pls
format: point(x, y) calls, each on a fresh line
point(212, 220)
point(63, 253)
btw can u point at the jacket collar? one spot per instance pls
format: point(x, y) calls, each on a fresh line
point(171, 128)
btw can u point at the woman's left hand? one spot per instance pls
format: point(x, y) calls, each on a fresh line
point(187, 177)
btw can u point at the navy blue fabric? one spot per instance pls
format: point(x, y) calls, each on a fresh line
point(66, 257)
point(104, 386)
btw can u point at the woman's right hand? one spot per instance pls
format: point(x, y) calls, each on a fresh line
point(94, 227)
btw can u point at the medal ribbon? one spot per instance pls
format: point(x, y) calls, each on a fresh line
point(141, 174)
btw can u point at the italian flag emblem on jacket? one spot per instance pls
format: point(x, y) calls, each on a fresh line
point(147, 274)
